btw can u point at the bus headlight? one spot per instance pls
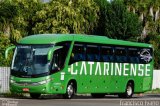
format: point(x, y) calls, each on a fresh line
point(12, 81)
point(44, 81)
point(30, 83)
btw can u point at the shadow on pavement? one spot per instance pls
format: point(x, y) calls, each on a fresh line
point(79, 96)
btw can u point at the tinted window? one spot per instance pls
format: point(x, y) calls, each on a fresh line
point(78, 53)
point(121, 55)
point(107, 54)
point(133, 55)
point(110, 53)
point(59, 56)
point(92, 53)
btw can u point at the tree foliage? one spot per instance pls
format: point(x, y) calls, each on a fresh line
point(66, 16)
point(103, 4)
point(120, 23)
point(16, 17)
point(8, 12)
point(148, 12)
point(154, 40)
point(24, 22)
point(4, 43)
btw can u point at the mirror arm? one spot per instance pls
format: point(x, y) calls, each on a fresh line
point(7, 51)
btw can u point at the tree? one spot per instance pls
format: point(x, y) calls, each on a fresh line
point(23, 22)
point(154, 40)
point(4, 43)
point(154, 9)
point(148, 12)
point(120, 23)
point(66, 16)
point(103, 4)
point(8, 12)
point(16, 17)
point(154, 21)
point(132, 5)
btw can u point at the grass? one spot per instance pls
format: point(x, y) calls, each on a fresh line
point(154, 91)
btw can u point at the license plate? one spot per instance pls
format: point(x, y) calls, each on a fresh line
point(25, 89)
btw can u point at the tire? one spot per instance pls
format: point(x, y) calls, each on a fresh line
point(97, 95)
point(128, 92)
point(35, 95)
point(70, 91)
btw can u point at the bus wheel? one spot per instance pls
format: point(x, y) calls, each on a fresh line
point(70, 91)
point(129, 90)
point(97, 95)
point(35, 95)
point(128, 93)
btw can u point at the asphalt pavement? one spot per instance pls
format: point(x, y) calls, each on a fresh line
point(82, 100)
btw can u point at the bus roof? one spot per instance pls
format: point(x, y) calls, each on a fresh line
point(54, 38)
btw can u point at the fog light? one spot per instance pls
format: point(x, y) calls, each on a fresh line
point(44, 89)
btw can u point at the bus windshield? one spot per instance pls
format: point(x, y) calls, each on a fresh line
point(30, 61)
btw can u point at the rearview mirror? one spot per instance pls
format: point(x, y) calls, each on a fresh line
point(7, 51)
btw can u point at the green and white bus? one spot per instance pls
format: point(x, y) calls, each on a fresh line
point(74, 63)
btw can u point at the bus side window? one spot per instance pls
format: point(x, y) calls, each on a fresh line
point(133, 55)
point(121, 55)
point(58, 59)
point(59, 56)
point(107, 54)
point(66, 46)
point(78, 53)
point(92, 53)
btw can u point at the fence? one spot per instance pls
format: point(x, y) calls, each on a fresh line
point(4, 79)
point(156, 79)
point(5, 73)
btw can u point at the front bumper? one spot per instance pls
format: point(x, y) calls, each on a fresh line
point(48, 88)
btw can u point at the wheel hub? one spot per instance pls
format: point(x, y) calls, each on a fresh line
point(129, 90)
point(70, 90)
